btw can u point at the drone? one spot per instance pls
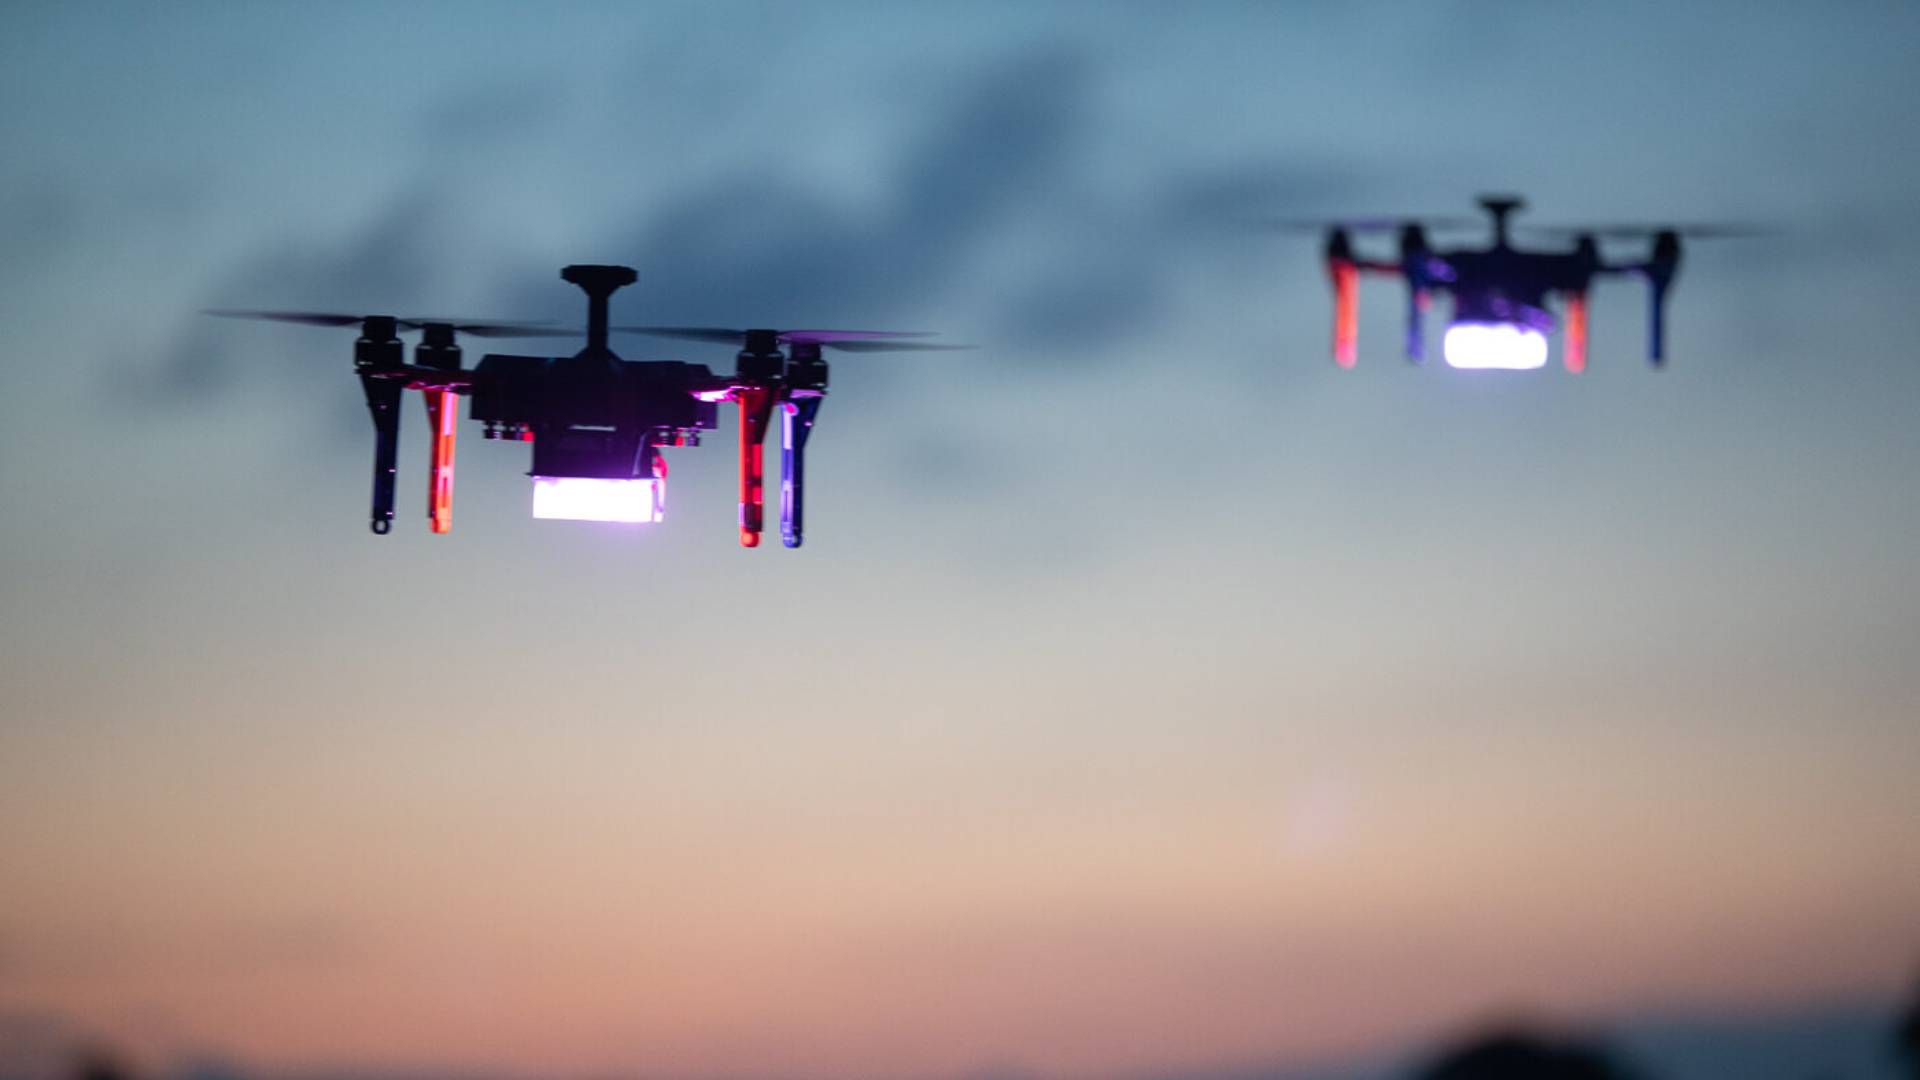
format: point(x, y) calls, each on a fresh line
point(597, 423)
point(1501, 317)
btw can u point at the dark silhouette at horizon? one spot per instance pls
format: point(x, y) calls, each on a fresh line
point(98, 1064)
point(1907, 1034)
point(1524, 1055)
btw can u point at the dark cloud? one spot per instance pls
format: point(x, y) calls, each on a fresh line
point(397, 258)
point(496, 117)
point(36, 221)
point(1007, 142)
point(760, 246)
point(1007, 156)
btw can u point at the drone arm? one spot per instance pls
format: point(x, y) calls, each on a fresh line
point(1600, 269)
point(1346, 311)
point(1344, 270)
point(415, 377)
point(1574, 345)
point(1421, 269)
point(383, 403)
point(796, 423)
point(1659, 276)
point(443, 414)
point(1656, 320)
point(756, 411)
point(1659, 269)
point(1417, 300)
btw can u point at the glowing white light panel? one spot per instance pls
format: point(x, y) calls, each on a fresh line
point(587, 498)
point(1498, 346)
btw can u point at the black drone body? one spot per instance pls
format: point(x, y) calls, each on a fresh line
point(593, 415)
point(597, 423)
point(1503, 296)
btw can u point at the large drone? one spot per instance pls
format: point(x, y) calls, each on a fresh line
point(1500, 293)
point(597, 423)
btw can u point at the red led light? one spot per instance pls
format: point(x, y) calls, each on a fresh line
point(1346, 312)
point(756, 409)
point(443, 412)
point(1575, 344)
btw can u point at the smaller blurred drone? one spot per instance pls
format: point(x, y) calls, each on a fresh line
point(597, 423)
point(1500, 294)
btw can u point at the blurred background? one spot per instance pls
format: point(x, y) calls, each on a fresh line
point(1152, 699)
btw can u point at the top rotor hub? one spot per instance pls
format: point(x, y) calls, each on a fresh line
point(600, 280)
point(760, 357)
point(1501, 207)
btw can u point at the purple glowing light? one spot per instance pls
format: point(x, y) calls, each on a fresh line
point(586, 498)
point(714, 395)
point(1494, 345)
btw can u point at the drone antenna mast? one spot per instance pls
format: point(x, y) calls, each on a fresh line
point(599, 283)
point(1501, 207)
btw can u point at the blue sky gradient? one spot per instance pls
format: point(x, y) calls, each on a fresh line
point(1151, 696)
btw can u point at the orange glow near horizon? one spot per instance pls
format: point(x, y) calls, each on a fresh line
point(1154, 700)
point(712, 903)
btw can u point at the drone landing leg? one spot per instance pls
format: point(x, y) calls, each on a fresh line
point(1657, 324)
point(1346, 312)
point(1417, 301)
point(383, 402)
point(796, 423)
point(1576, 332)
point(443, 415)
point(756, 411)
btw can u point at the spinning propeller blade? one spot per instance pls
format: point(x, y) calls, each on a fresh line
point(845, 340)
point(464, 326)
point(839, 337)
point(1699, 230)
point(308, 318)
point(1365, 223)
point(728, 335)
point(895, 346)
point(690, 333)
point(500, 330)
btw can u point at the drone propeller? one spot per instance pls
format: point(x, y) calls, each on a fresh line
point(308, 318)
point(896, 346)
point(847, 340)
point(385, 379)
point(499, 330)
point(1699, 230)
point(464, 326)
point(1365, 223)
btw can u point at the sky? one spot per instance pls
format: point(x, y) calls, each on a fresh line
point(1151, 698)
